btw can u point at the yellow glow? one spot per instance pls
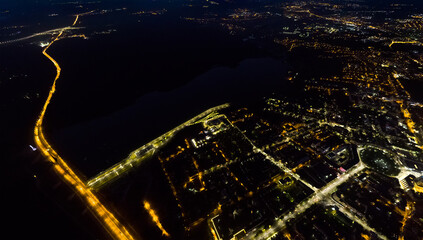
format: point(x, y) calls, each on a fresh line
point(403, 42)
point(287, 235)
point(409, 210)
point(417, 188)
point(110, 223)
point(214, 234)
point(155, 218)
point(76, 20)
point(365, 236)
point(408, 120)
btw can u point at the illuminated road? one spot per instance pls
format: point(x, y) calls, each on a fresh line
point(405, 172)
point(347, 212)
point(286, 170)
point(404, 42)
point(353, 214)
point(143, 153)
point(346, 22)
point(53, 31)
point(319, 195)
point(271, 159)
point(105, 217)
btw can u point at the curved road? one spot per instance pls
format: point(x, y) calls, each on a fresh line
point(105, 217)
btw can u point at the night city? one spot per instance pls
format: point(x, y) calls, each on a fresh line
point(212, 119)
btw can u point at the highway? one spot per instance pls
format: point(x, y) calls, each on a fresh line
point(143, 153)
point(103, 215)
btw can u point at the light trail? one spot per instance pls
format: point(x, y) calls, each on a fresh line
point(105, 217)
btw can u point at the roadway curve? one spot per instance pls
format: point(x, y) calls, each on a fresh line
point(105, 217)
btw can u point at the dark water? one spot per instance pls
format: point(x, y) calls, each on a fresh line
point(119, 91)
point(101, 142)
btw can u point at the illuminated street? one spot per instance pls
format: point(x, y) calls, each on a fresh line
point(110, 223)
point(317, 196)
